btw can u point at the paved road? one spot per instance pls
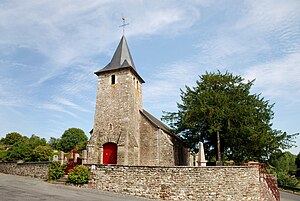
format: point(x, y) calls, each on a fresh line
point(16, 188)
point(289, 197)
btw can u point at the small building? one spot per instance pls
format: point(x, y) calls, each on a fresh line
point(124, 133)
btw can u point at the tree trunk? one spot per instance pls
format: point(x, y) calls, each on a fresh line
point(219, 158)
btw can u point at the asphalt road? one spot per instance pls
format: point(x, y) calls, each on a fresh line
point(19, 188)
point(284, 196)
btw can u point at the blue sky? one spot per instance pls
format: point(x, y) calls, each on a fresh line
point(50, 49)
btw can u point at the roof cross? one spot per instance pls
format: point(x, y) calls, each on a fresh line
point(124, 24)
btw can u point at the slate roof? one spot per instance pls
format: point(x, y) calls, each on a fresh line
point(121, 59)
point(159, 124)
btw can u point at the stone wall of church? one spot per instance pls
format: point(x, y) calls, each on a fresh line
point(180, 183)
point(166, 149)
point(181, 153)
point(117, 116)
point(149, 144)
point(159, 148)
point(37, 170)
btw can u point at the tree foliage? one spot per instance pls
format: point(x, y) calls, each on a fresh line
point(79, 175)
point(11, 138)
point(3, 154)
point(297, 162)
point(35, 141)
point(284, 162)
point(221, 105)
point(41, 153)
point(73, 138)
point(19, 151)
point(56, 170)
point(54, 143)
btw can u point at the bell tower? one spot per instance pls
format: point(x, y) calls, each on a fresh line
point(115, 136)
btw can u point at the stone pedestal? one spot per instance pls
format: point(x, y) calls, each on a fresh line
point(201, 156)
point(84, 156)
point(62, 157)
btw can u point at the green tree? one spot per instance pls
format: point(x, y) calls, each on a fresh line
point(285, 168)
point(35, 141)
point(54, 143)
point(19, 151)
point(3, 154)
point(73, 138)
point(284, 162)
point(12, 138)
point(233, 123)
point(41, 153)
point(2, 146)
point(297, 162)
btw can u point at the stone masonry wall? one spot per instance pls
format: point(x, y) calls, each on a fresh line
point(117, 116)
point(37, 170)
point(180, 183)
point(149, 143)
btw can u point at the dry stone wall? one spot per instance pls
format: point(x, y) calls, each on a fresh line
point(37, 170)
point(180, 183)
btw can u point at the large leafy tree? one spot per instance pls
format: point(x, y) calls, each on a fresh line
point(35, 141)
point(233, 123)
point(19, 151)
point(41, 153)
point(73, 138)
point(12, 138)
point(54, 143)
point(284, 162)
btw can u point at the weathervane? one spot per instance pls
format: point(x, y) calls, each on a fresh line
point(124, 24)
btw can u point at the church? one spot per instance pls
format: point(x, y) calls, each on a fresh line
point(124, 133)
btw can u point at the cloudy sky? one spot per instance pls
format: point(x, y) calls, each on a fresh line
point(50, 49)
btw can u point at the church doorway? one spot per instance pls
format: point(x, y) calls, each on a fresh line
point(110, 151)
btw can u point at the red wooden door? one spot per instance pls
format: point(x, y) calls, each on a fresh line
point(110, 151)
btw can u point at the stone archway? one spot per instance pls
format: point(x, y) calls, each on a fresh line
point(110, 153)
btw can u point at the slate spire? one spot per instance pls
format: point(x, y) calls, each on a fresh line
point(121, 59)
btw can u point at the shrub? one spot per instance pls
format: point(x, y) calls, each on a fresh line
point(3, 155)
point(56, 170)
point(41, 153)
point(79, 175)
point(284, 179)
point(19, 151)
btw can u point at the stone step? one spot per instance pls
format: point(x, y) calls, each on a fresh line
point(62, 180)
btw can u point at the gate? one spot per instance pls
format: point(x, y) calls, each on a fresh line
point(73, 161)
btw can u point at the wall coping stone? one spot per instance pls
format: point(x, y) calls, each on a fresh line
point(25, 163)
point(170, 167)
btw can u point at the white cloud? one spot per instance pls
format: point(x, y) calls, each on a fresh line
point(267, 15)
point(65, 102)
point(58, 108)
point(278, 78)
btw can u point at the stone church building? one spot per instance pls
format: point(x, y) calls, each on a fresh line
point(124, 133)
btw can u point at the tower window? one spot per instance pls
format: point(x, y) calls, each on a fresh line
point(113, 79)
